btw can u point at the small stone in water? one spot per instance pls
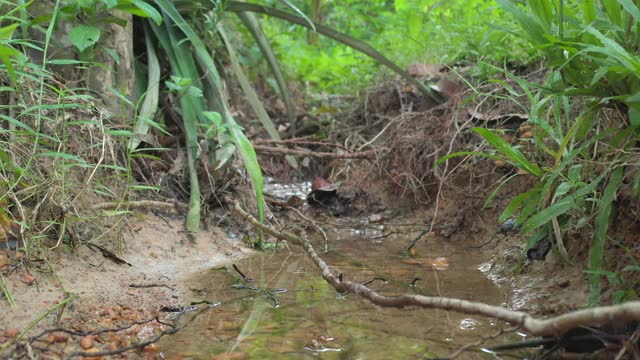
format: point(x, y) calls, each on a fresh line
point(508, 226)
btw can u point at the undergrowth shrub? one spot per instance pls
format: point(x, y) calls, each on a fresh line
point(584, 125)
point(451, 32)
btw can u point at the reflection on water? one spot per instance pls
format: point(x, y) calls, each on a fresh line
point(313, 321)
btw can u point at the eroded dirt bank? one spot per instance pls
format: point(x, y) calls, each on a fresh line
point(109, 295)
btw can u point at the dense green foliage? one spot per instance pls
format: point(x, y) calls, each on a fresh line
point(405, 31)
point(586, 119)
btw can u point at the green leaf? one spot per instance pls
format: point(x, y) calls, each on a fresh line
point(250, 21)
point(631, 8)
point(545, 216)
point(250, 93)
point(613, 10)
point(514, 155)
point(528, 23)
point(513, 206)
point(84, 36)
point(64, 156)
point(295, 8)
point(543, 11)
point(6, 32)
point(110, 3)
point(203, 56)
point(147, 11)
point(465, 153)
point(149, 107)
point(589, 10)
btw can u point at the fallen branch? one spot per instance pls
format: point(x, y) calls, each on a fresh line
point(297, 141)
point(310, 153)
point(137, 204)
point(628, 311)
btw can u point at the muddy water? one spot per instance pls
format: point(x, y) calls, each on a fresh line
point(297, 315)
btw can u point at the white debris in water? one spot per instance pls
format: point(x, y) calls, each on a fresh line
point(468, 324)
point(285, 191)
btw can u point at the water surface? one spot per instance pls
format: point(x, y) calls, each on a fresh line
point(310, 320)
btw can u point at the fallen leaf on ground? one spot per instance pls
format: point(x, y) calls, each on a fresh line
point(27, 279)
point(11, 332)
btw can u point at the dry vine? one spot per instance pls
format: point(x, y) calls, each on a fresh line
point(558, 325)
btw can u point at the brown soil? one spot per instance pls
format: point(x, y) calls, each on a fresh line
point(110, 295)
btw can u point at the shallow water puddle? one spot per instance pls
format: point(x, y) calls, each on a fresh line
point(312, 320)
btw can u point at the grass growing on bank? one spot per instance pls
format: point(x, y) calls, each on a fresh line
point(585, 121)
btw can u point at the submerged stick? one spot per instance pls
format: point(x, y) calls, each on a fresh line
point(628, 311)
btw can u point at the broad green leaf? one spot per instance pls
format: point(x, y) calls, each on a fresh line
point(528, 23)
point(589, 11)
point(401, 5)
point(535, 238)
point(84, 36)
point(562, 189)
point(414, 24)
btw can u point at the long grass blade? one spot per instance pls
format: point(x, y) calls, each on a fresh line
point(216, 91)
point(596, 250)
point(514, 155)
point(150, 102)
point(250, 93)
point(249, 20)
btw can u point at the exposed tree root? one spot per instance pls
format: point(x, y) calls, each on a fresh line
point(558, 325)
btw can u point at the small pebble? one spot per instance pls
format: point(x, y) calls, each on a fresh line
point(87, 342)
point(11, 332)
point(508, 226)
